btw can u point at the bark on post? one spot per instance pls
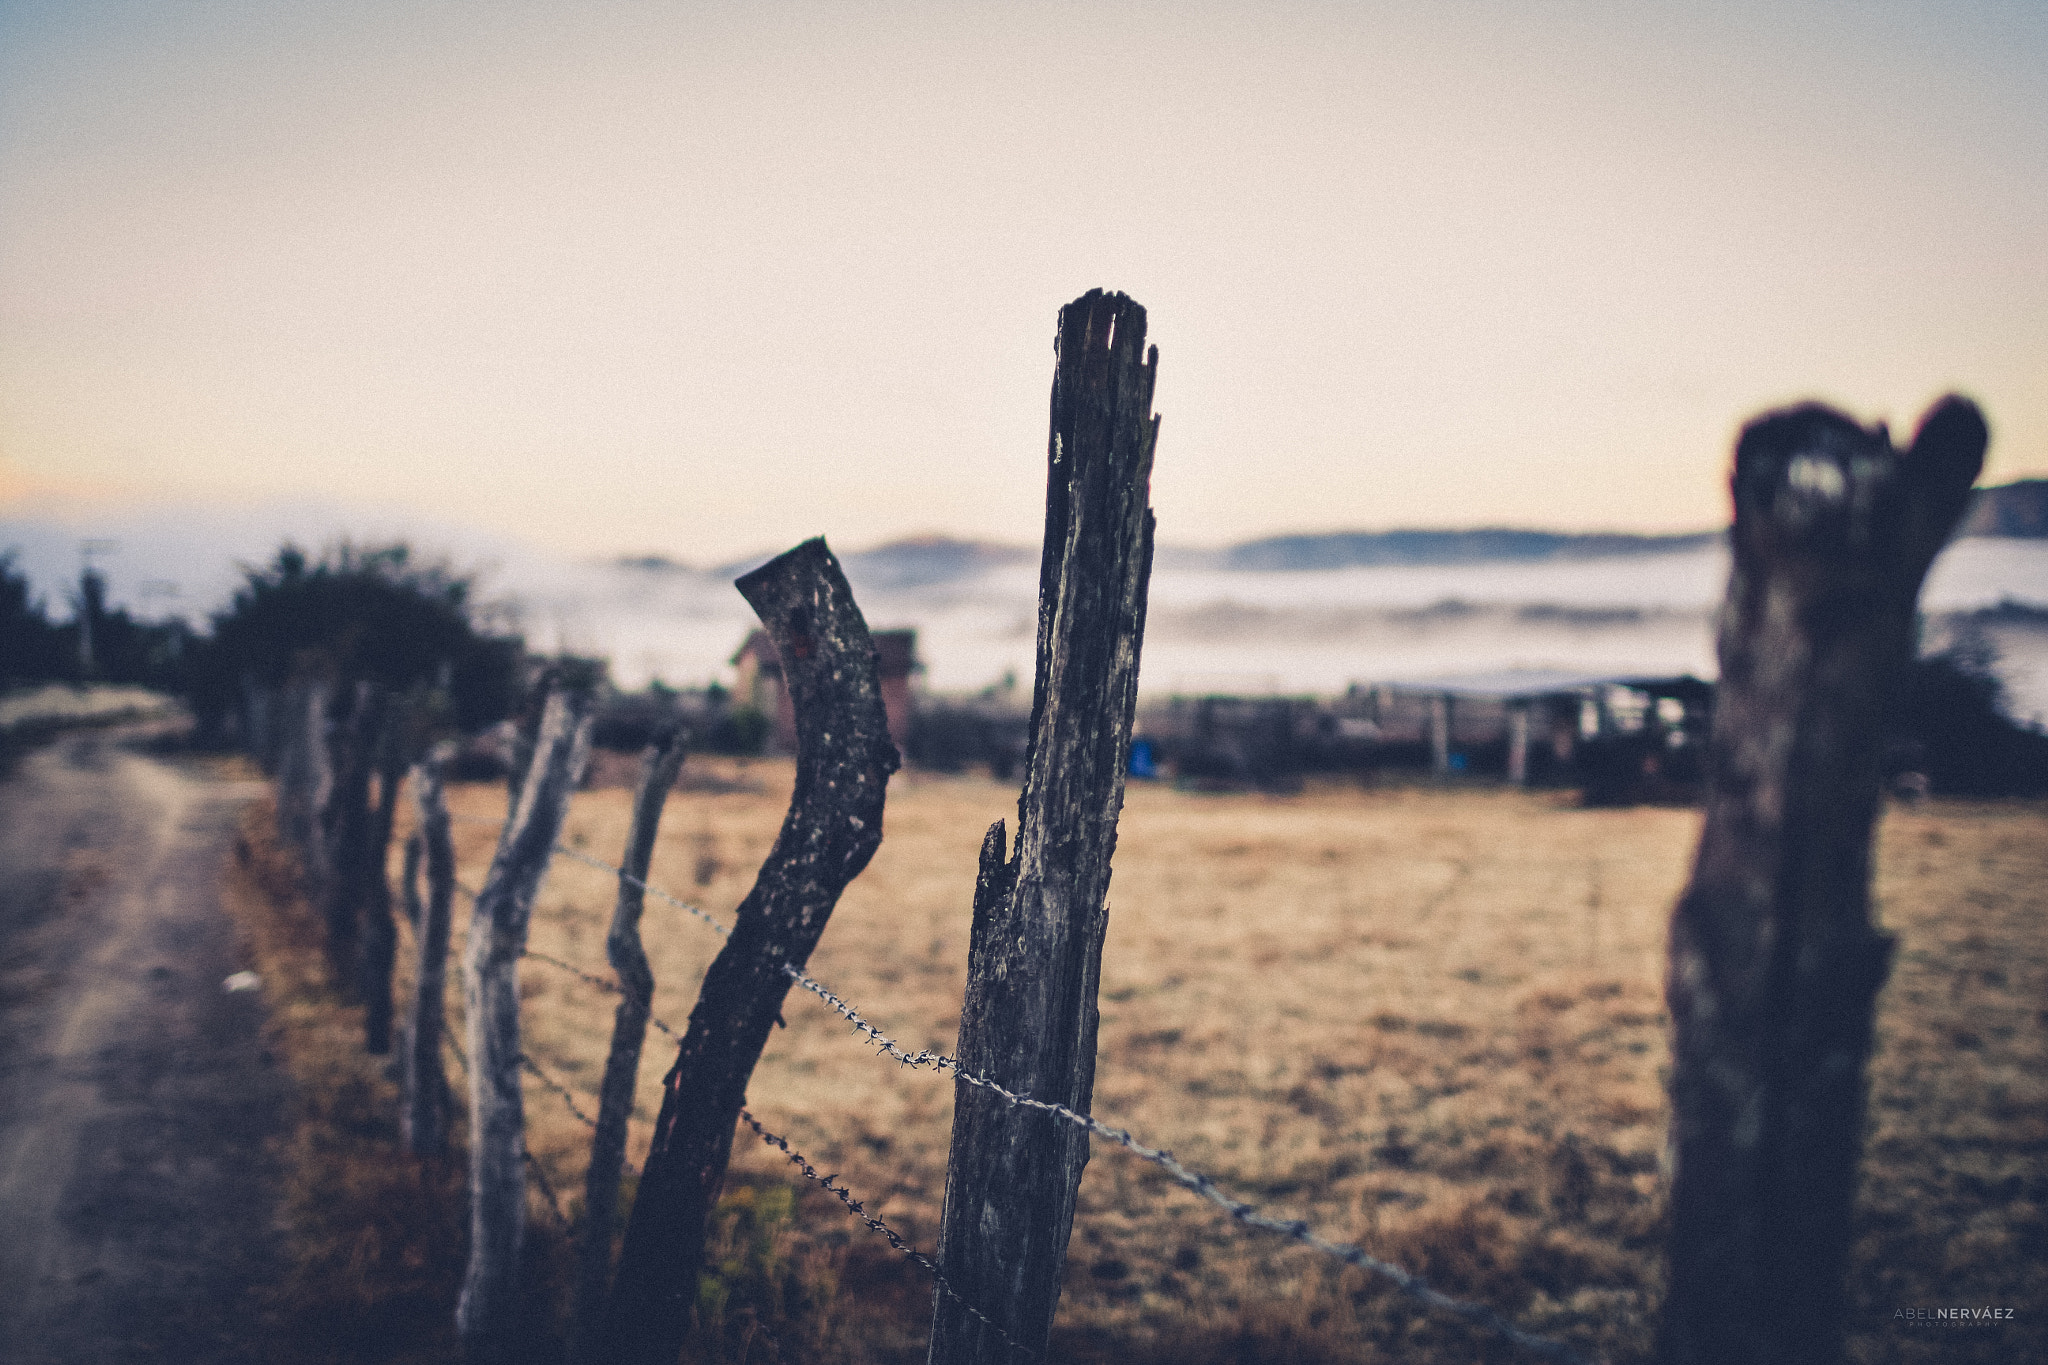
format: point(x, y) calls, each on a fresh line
point(305, 779)
point(348, 825)
point(488, 1309)
point(409, 879)
point(834, 824)
point(1775, 965)
point(259, 704)
point(380, 929)
point(289, 778)
point(423, 1123)
point(658, 768)
point(1035, 953)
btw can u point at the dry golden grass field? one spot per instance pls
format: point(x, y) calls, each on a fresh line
point(1429, 1020)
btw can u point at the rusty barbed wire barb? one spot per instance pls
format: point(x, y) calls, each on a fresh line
point(895, 1239)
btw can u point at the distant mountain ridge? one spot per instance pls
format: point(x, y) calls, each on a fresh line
point(2014, 509)
point(1482, 545)
point(921, 561)
point(2011, 509)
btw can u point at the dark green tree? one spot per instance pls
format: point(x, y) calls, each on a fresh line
point(355, 614)
point(105, 644)
point(31, 648)
point(1949, 721)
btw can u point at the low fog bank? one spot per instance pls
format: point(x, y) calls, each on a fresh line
point(1211, 627)
point(1294, 632)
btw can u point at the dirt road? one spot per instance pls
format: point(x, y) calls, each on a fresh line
point(135, 1095)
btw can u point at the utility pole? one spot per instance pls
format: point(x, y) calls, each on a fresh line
point(92, 598)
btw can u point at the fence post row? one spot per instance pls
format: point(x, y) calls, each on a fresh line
point(1035, 952)
point(659, 766)
point(423, 1122)
point(1775, 965)
point(834, 824)
point(487, 1311)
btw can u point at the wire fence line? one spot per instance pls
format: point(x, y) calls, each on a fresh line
point(568, 1095)
point(1244, 1213)
point(854, 1206)
point(547, 1188)
point(840, 1192)
point(533, 1166)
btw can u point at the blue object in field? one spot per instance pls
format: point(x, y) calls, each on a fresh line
point(1142, 763)
point(1457, 763)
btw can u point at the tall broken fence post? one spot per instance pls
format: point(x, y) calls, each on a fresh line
point(659, 765)
point(488, 1310)
point(1775, 965)
point(1035, 955)
point(834, 824)
point(423, 1121)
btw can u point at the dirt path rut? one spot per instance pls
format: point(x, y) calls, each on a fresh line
point(136, 1218)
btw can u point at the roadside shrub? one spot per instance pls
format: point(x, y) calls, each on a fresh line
point(1950, 723)
point(356, 614)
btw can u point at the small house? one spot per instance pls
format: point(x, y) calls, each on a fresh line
point(760, 685)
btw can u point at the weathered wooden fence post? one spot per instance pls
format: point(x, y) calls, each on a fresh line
point(380, 931)
point(409, 879)
point(834, 824)
point(288, 778)
point(423, 1122)
point(1775, 965)
point(658, 768)
point(305, 779)
point(1518, 742)
point(1035, 954)
point(258, 723)
point(347, 825)
point(488, 1309)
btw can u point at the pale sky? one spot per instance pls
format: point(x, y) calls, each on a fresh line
point(704, 279)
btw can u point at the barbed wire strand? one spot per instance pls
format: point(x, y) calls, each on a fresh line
point(723, 930)
point(1244, 1213)
point(613, 987)
point(859, 1210)
point(547, 1187)
point(844, 1195)
point(532, 1163)
point(568, 1095)
point(610, 987)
